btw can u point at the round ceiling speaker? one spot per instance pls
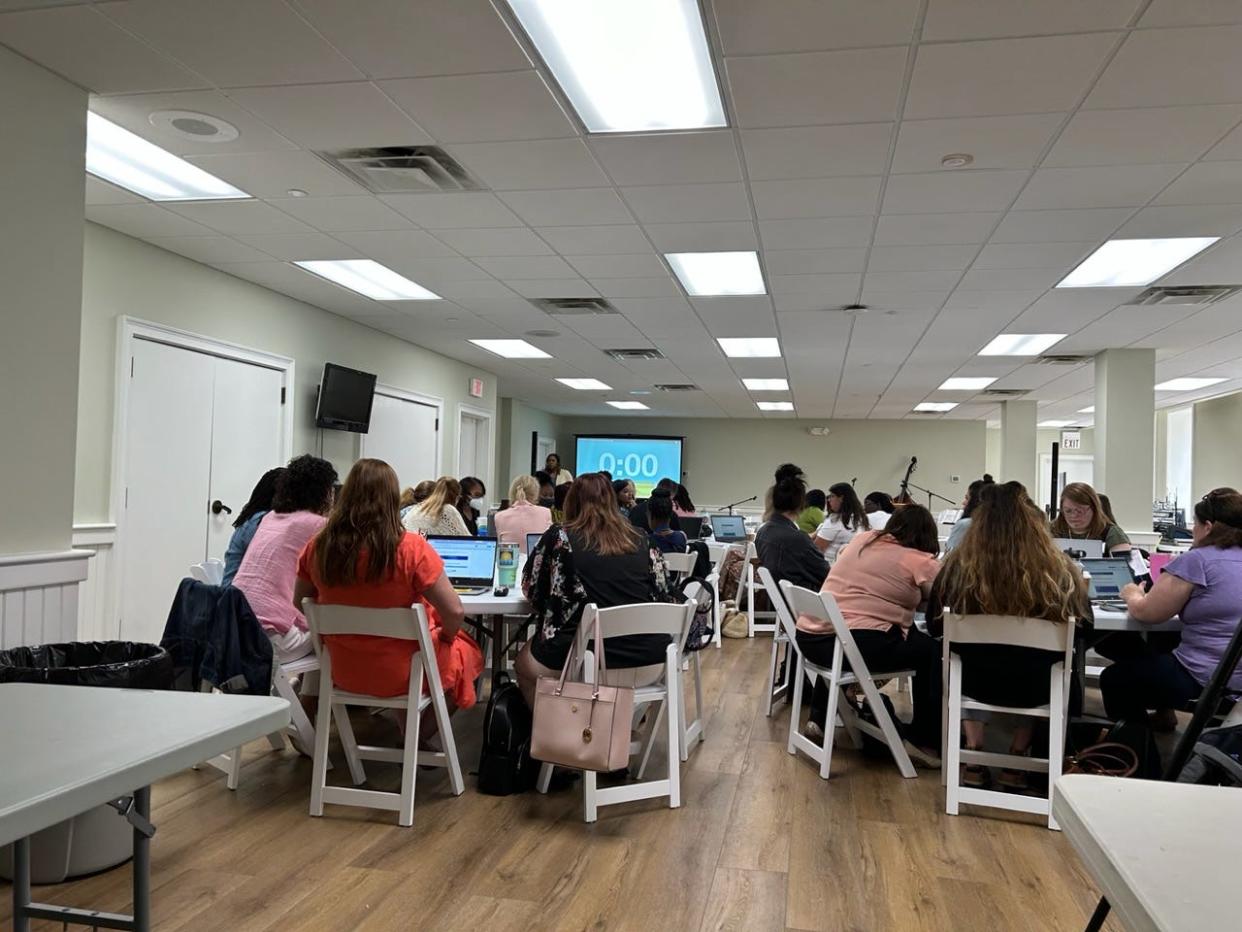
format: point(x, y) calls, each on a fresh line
point(199, 127)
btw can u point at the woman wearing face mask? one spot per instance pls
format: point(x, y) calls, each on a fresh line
point(1082, 517)
point(547, 488)
point(472, 503)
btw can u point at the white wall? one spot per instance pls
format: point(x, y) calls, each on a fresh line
point(517, 420)
point(123, 276)
point(42, 145)
point(1217, 459)
point(726, 460)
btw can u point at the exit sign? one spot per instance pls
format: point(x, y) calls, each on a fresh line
point(476, 388)
point(1071, 440)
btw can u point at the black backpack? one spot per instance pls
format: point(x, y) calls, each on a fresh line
point(505, 764)
point(701, 629)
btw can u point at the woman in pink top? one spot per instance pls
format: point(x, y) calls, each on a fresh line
point(269, 569)
point(523, 516)
point(878, 581)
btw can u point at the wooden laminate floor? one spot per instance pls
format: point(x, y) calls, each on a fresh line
point(759, 843)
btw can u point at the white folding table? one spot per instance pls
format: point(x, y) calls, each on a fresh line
point(1164, 855)
point(1108, 620)
point(492, 609)
point(68, 749)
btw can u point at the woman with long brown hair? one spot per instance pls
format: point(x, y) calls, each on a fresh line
point(437, 513)
point(364, 557)
point(1082, 516)
point(1008, 565)
point(595, 556)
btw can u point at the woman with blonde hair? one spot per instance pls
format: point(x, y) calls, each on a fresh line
point(437, 513)
point(523, 516)
point(1082, 516)
point(1007, 565)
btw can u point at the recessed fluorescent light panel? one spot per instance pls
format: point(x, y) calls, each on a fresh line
point(961, 383)
point(1124, 262)
point(766, 385)
point(1021, 344)
point(117, 155)
point(704, 274)
point(750, 347)
point(512, 349)
point(935, 406)
point(1088, 410)
point(629, 405)
point(368, 277)
point(1055, 423)
point(1186, 385)
point(585, 385)
point(627, 66)
point(775, 405)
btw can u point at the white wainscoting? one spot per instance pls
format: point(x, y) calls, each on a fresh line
point(98, 616)
point(39, 596)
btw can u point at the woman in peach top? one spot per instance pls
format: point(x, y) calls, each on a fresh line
point(878, 581)
point(523, 516)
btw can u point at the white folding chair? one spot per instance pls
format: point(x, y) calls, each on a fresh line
point(822, 606)
point(690, 731)
point(777, 691)
point(408, 624)
point(1019, 632)
point(681, 563)
point(648, 618)
point(748, 586)
point(210, 571)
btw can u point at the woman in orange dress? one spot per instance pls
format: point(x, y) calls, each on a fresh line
point(365, 557)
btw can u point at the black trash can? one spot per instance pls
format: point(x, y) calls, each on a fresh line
point(99, 838)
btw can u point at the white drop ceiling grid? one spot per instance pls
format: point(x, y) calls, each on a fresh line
point(1117, 117)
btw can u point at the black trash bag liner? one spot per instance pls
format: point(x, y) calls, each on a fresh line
point(124, 664)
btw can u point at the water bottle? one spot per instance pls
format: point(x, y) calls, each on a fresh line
point(507, 561)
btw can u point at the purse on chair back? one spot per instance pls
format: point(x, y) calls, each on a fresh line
point(585, 726)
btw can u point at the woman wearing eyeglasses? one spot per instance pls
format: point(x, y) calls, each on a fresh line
point(1203, 587)
point(1082, 517)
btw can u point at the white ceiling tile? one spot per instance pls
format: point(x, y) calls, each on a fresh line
point(816, 87)
point(816, 151)
point(1220, 263)
point(482, 107)
point(101, 192)
point(816, 233)
point(922, 300)
point(1055, 226)
point(554, 288)
point(1191, 13)
point(1197, 220)
point(1034, 255)
point(646, 265)
point(999, 302)
point(273, 174)
point(815, 197)
point(1040, 75)
point(920, 258)
point(544, 163)
point(434, 271)
point(932, 192)
point(236, 43)
point(1206, 183)
point(1113, 186)
point(132, 111)
point(453, 211)
point(971, 19)
point(146, 221)
point(814, 261)
point(668, 158)
point(252, 217)
point(930, 279)
point(1010, 279)
point(725, 236)
point(655, 287)
point(1172, 67)
point(748, 28)
point(1229, 148)
point(832, 289)
point(495, 242)
point(1156, 134)
point(301, 246)
point(470, 291)
point(341, 214)
point(332, 116)
point(596, 240)
point(683, 202)
point(515, 268)
point(397, 39)
point(570, 207)
point(211, 250)
point(816, 301)
point(934, 229)
point(389, 246)
point(80, 44)
point(994, 142)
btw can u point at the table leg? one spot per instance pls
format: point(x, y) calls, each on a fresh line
point(498, 647)
point(21, 884)
point(1097, 918)
point(142, 863)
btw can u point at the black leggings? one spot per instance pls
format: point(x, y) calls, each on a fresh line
point(1155, 681)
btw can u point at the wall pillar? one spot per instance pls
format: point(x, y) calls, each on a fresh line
point(1017, 455)
point(1125, 434)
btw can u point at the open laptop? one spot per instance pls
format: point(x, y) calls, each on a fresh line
point(728, 529)
point(1080, 549)
point(469, 562)
point(692, 526)
point(532, 540)
point(1109, 575)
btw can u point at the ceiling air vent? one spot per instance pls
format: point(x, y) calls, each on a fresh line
point(633, 355)
point(574, 307)
point(676, 387)
point(1005, 392)
point(1063, 360)
point(1193, 295)
point(403, 170)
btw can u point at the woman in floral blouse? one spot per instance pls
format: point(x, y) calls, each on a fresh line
point(595, 556)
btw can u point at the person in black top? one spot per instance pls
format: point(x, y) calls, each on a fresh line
point(787, 551)
point(638, 513)
point(660, 515)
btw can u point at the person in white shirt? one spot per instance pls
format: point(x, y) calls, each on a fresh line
point(879, 508)
point(846, 517)
point(560, 475)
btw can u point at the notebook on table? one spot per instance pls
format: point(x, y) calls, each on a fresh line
point(469, 562)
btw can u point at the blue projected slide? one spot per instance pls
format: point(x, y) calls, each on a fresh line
point(645, 460)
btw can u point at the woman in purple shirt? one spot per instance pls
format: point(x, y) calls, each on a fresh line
point(1204, 587)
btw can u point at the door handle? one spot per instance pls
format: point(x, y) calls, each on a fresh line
point(218, 506)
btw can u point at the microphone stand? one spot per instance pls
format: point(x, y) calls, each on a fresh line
point(753, 498)
point(930, 495)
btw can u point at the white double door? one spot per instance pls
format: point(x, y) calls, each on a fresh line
point(200, 430)
point(405, 434)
